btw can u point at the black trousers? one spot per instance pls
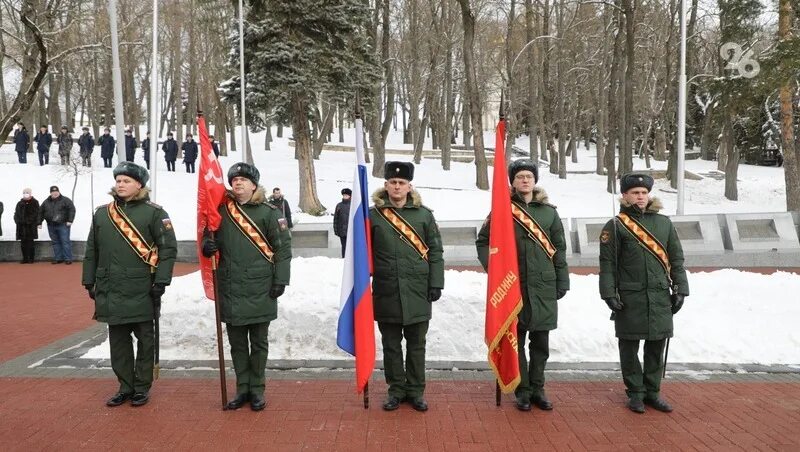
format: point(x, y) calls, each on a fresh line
point(343, 240)
point(170, 165)
point(107, 162)
point(189, 167)
point(28, 250)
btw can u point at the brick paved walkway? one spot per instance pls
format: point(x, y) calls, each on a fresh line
point(315, 411)
point(68, 414)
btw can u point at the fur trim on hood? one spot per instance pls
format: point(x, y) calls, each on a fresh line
point(653, 206)
point(379, 195)
point(259, 196)
point(539, 195)
point(144, 193)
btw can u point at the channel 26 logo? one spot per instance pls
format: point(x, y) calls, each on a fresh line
point(740, 62)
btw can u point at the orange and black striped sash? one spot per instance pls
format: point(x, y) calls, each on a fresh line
point(146, 252)
point(249, 229)
point(406, 231)
point(647, 240)
point(535, 232)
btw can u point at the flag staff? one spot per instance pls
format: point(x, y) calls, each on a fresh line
point(154, 107)
point(357, 115)
point(502, 115)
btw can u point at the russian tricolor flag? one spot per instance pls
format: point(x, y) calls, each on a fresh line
point(356, 332)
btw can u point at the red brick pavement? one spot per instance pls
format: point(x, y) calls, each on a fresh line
point(69, 414)
point(43, 303)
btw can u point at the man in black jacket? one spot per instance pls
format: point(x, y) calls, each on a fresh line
point(130, 145)
point(59, 212)
point(107, 146)
point(86, 146)
point(170, 149)
point(43, 141)
point(282, 204)
point(21, 142)
point(341, 216)
point(189, 148)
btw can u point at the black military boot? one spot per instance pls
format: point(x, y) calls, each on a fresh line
point(257, 402)
point(118, 399)
point(659, 404)
point(636, 405)
point(419, 404)
point(238, 402)
point(542, 402)
point(392, 403)
point(522, 403)
point(140, 398)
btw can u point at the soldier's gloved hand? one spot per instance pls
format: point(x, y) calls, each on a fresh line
point(157, 291)
point(434, 294)
point(90, 289)
point(560, 293)
point(209, 247)
point(677, 302)
point(276, 290)
point(614, 304)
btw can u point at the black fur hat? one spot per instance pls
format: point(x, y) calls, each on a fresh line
point(242, 169)
point(133, 171)
point(402, 170)
point(633, 180)
point(523, 165)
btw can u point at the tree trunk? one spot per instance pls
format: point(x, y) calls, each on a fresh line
point(732, 164)
point(466, 137)
point(532, 70)
point(510, 55)
point(447, 97)
point(308, 202)
point(791, 154)
point(543, 108)
point(708, 145)
point(613, 107)
point(626, 163)
point(481, 168)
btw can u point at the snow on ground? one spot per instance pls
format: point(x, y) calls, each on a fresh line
point(731, 317)
point(452, 194)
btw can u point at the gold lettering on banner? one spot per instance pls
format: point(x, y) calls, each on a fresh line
point(502, 289)
point(511, 338)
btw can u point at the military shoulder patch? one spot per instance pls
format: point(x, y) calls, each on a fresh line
point(167, 223)
point(604, 236)
point(284, 225)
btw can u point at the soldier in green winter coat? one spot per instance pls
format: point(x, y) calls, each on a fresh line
point(130, 253)
point(408, 275)
point(544, 276)
point(641, 260)
point(253, 272)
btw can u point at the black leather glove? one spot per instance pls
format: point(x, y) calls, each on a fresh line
point(614, 304)
point(434, 294)
point(560, 293)
point(90, 289)
point(276, 290)
point(677, 302)
point(209, 247)
point(157, 291)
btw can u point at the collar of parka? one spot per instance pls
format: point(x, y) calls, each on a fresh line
point(381, 198)
point(539, 196)
point(143, 195)
point(654, 205)
point(259, 196)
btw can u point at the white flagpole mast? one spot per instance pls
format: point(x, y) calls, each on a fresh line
point(681, 148)
point(154, 113)
point(116, 77)
point(246, 150)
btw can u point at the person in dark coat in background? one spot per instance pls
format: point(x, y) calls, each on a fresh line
point(341, 216)
point(59, 212)
point(146, 150)
point(170, 148)
point(107, 145)
point(86, 147)
point(282, 204)
point(189, 148)
point(43, 141)
point(214, 145)
point(1, 218)
point(21, 142)
point(130, 146)
point(26, 216)
point(64, 145)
